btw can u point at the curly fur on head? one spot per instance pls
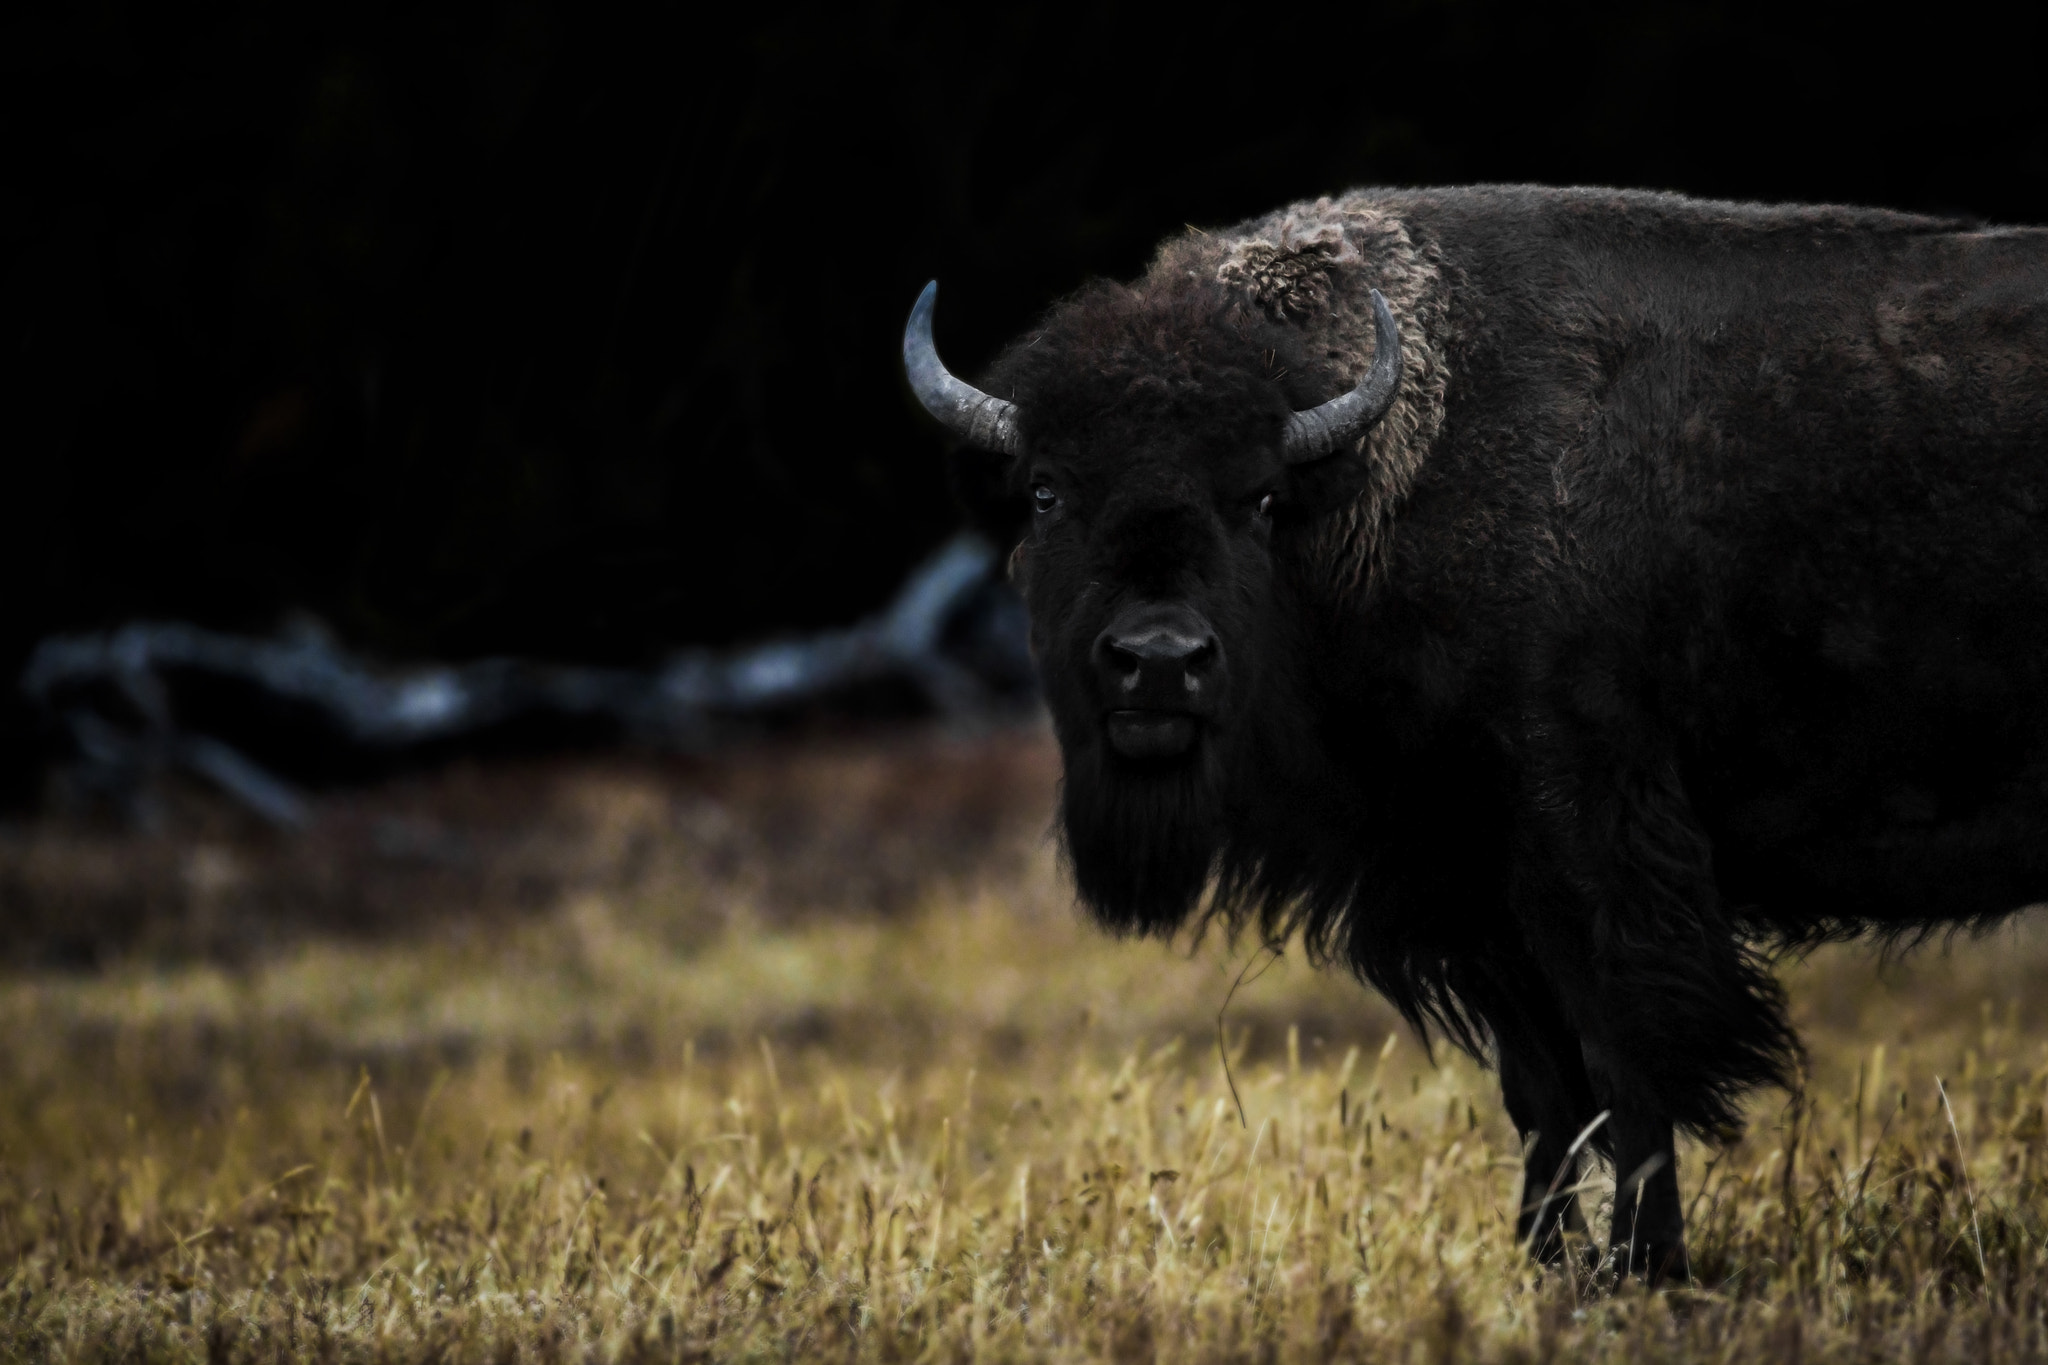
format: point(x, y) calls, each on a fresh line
point(1314, 266)
point(1145, 359)
point(1280, 304)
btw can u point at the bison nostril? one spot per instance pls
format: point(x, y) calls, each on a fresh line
point(1116, 658)
point(1202, 659)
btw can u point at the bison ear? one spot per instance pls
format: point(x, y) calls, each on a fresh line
point(985, 486)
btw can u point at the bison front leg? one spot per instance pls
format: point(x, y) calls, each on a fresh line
point(1677, 1016)
point(1647, 1238)
point(1547, 1097)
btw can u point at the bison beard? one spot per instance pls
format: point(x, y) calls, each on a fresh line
point(1669, 593)
point(1141, 844)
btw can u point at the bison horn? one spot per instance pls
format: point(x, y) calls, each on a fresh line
point(1322, 429)
point(980, 419)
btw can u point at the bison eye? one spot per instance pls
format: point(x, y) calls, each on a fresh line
point(1044, 498)
point(1265, 507)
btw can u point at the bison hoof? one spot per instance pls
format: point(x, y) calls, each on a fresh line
point(1654, 1263)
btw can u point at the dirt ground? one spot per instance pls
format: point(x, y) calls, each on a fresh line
point(807, 1054)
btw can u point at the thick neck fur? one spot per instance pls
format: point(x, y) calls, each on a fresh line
point(1264, 836)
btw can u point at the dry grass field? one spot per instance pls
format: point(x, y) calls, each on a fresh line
point(811, 1057)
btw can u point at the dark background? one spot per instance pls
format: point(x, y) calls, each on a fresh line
point(548, 329)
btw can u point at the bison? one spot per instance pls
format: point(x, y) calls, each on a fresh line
point(1551, 603)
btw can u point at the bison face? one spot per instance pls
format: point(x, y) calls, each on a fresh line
point(1155, 455)
point(1149, 578)
point(1141, 575)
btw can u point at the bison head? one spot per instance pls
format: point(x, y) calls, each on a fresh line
point(1153, 445)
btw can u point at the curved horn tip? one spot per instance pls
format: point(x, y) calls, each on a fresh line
point(978, 418)
point(1382, 316)
point(919, 323)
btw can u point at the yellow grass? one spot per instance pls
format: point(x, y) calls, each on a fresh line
point(657, 1122)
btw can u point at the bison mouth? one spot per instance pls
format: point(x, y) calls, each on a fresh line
point(1151, 735)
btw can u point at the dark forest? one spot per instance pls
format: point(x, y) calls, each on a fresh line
point(567, 332)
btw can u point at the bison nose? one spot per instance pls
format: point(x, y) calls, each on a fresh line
point(1159, 658)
